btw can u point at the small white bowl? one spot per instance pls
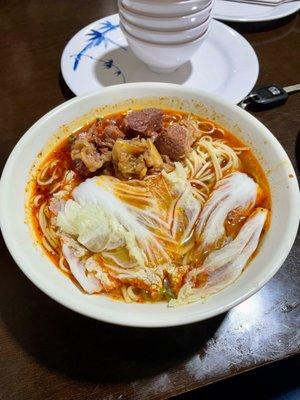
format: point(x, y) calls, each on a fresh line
point(172, 37)
point(166, 23)
point(156, 8)
point(162, 58)
point(41, 271)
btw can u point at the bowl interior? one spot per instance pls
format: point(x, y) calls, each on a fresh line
point(73, 114)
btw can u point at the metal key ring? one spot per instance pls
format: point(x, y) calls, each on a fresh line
point(247, 100)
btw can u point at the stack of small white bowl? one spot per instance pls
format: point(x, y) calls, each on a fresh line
point(165, 34)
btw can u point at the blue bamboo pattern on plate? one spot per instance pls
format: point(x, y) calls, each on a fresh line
point(97, 37)
point(107, 64)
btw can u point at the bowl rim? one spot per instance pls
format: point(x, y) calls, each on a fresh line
point(180, 32)
point(169, 1)
point(164, 44)
point(124, 10)
point(146, 12)
point(175, 2)
point(18, 253)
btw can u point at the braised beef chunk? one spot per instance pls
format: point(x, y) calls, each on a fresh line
point(108, 136)
point(144, 122)
point(173, 141)
point(107, 143)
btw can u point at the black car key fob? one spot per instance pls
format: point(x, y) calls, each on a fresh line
point(268, 97)
point(265, 97)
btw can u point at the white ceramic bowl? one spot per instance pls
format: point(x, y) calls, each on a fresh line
point(160, 57)
point(166, 23)
point(40, 270)
point(173, 37)
point(165, 8)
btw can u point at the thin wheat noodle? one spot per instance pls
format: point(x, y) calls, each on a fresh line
point(62, 262)
point(46, 171)
point(56, 187)
point(200, 196)
point(125, 295)
point(202, 124)
point(37, 199)
point(197, 182)
point(47, 246)
point(131, 294)
point(219, 130)
point(203, 169)
point(240, 148)
point(43, 225)
point(216, 164)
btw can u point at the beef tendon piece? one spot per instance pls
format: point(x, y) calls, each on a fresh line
point(128, 160)
point(152, 157)
point(86, 158)
point(132, 158)
point(174, 142)
point(143, 122)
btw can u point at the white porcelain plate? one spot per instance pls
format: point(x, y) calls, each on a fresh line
point(242, 12)
point(98, 56)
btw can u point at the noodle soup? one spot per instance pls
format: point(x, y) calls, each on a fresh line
point(150, 205)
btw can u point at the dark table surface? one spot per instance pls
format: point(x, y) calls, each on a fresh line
point(49, 352)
